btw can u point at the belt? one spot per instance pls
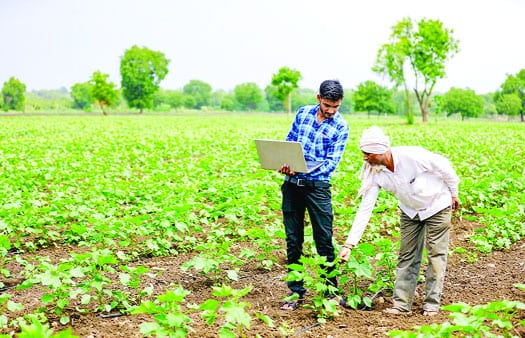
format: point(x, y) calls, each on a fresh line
point(303, 182)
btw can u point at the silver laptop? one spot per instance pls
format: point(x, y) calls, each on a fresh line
point(273, 154)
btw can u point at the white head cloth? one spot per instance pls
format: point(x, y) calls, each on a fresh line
point(374, 141)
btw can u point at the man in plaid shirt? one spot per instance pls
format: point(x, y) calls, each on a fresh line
point(323, 133)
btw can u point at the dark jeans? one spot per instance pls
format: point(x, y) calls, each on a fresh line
point(318, 202)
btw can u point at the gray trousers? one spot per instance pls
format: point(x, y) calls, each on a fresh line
point(433, 231)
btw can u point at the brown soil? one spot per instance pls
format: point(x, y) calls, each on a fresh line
point(472, 281)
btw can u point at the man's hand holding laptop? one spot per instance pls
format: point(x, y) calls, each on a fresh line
point(285, 169)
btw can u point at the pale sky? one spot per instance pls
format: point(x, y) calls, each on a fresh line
point(48, 44)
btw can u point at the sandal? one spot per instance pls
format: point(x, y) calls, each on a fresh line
point(396, 311)
point(292, 304)
point(343, 301)
point(429, 313)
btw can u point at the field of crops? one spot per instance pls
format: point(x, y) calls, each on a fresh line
point(129, 226)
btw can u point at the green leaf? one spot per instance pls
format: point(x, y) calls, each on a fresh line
point(64, 320)
point(12, 306)
point(235, 313)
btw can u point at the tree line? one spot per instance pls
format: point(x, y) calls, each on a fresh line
point(412, 61)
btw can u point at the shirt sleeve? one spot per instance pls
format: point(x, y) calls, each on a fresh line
point(363, 215)
point(293, 134)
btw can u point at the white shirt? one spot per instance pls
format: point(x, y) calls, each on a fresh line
point(423, 182)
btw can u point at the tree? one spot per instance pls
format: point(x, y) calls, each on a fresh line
point(13, 94)
point(371, 97)
point(274, 103)
point(416, 59)
point(201, 92)
point(286, 81)
point(171, 98)
point(228, 102)
point(509, 104)
point(303, 97)
point(462, 101)
point(514, 84)
point(103, 91)
point(142, 70)
point(81, 95)
point(249, 95)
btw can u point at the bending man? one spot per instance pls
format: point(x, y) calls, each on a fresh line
point(426, 187)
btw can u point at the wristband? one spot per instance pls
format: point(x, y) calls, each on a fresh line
point(348, 246)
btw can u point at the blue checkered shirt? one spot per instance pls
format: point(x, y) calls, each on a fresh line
point(321, 142)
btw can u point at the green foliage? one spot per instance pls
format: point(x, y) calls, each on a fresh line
point(237, 319)
point(285, 81)
point(171, 320)
point(513, 85)
point(117, 190)
point(58, 100)
point(313, 272)
point(423, 51)
point(303, 97)
point(248, 95)
point(371, 97)
point(39, 330)
point(13, 94)
point(228, 102)
point(81, 95)
point(509, 104)
point(494, 319)
point(103, 91)
point(274, 103)
point(171, 98)
point(142, 70)
point(200, 91)
point(461, 101)
point(356, 270)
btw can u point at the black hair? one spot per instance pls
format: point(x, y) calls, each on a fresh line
point(331, 90)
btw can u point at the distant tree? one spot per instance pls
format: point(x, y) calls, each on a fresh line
point(286, 80)
point(372, 97)
point(142, 70)
point(416, 56)
point(81, 95)
point(171, 98)
point(103, 91)
point(249, 95)
point(303, 97)
point(509, 104)
point(201, 92)
point(461, 101)
point(48, 100)
point(228, 102)
point(274, 103)
point(346, 104)
point(514, 84)
point(188, 101)
point(216, 98)
point(13, 94)
point(489, 106)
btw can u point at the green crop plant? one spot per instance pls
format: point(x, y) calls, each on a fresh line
point(130, 277)
point(41, 330)
point(356, 270)
point(385, 264)
point(7, 305)
point(170, 318)
point(495, 319)
point(59, 281)
point(229, 307)
point(312, 270)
